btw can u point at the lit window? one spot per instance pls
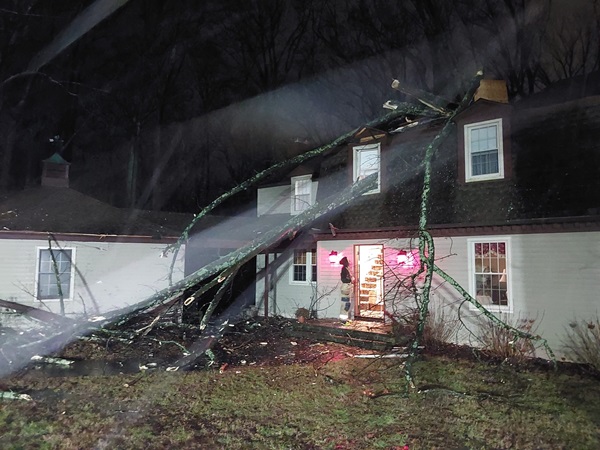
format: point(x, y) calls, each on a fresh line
point(54, 269)
point(366, 162)
point(302, 193)
point(490, 281)
point(483, 151)
point(304, 266)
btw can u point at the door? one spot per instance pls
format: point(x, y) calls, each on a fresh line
point(369, 282)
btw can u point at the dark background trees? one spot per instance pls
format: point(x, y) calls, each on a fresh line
point(164, 105)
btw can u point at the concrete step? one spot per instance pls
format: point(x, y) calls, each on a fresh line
point(347, 336)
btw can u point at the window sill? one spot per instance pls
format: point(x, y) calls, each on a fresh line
point(490, 306)
point(302, 283)
point(489, 177)
point(53, 299)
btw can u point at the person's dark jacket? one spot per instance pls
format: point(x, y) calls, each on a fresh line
point(345, 275)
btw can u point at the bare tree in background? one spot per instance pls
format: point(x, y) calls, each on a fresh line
point(572, 44)
point(514, 33)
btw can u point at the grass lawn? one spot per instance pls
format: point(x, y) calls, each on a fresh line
point(346, 404)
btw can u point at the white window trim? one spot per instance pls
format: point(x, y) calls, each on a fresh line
point(355, 160)
point(468, 163)
point(471, 270)
point(37, 274)
point(309, 264)
point(293, 212)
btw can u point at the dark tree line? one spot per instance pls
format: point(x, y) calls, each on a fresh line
point(165, 105)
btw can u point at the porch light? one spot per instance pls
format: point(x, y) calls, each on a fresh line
point(333, 257)
point(407, 259)
point(402, 257)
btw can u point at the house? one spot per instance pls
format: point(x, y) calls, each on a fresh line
point(514, 213)
point(71, 254)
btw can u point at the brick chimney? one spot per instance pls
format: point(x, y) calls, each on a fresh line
point(55, 171)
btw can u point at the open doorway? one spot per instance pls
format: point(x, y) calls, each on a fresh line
point(369, 286)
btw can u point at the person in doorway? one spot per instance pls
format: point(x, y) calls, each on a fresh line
point(345, 291)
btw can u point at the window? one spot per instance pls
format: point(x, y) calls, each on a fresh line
point(302, 193)
point(54, 272)
point(304, 266)
point(483, 151)
point(490, 280)
point(366, 162)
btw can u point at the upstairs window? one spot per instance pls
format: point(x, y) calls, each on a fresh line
point(301, 194)
point(367, 160)
point(304, 266)
point(55, 269)
point(483, 151)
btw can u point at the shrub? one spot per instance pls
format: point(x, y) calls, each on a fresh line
point(302, 314)
point(582, 342)
point(501, 342)
point(440, 327)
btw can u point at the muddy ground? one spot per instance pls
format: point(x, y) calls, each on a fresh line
point(261, 342)
point(255, 342)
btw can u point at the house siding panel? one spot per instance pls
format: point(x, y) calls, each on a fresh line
point(107, 275)
point(284, 297)
point(274, 200)
point(554, 280)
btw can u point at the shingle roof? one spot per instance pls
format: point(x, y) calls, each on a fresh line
point(64, 210)
point(556, 159)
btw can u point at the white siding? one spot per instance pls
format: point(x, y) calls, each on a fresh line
point(274, 200)
point(107, 276)
point(284, 298)
point(278, 199)
point(554, 280)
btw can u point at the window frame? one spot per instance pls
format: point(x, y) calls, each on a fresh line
point(39, 251)
point(506, 240)
point(311, 200)
point(309, 264)
point(356, 164)
point(468, 129)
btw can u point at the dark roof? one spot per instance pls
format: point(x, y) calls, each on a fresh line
point(555, 151)
point(578, 87)
point(64, 210)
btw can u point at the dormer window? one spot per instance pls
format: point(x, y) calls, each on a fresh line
point(484, 156)
point(366, 162)
point(302, 197)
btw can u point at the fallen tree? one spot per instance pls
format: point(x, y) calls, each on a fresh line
point(46, 317)
point(222, 269)
point(221, 272)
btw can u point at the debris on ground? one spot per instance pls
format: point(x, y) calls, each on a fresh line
point(251, 342)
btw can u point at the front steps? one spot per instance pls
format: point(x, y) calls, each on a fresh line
point(344, 335)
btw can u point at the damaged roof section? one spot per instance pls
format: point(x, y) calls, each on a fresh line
point(552, 167)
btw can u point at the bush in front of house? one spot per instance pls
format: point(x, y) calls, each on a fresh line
point(441, 325)
point(503, 343)
point(582, 342)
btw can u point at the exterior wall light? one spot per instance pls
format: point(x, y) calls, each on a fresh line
point(333, 257)
point(402, 257)
point(406, 259)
